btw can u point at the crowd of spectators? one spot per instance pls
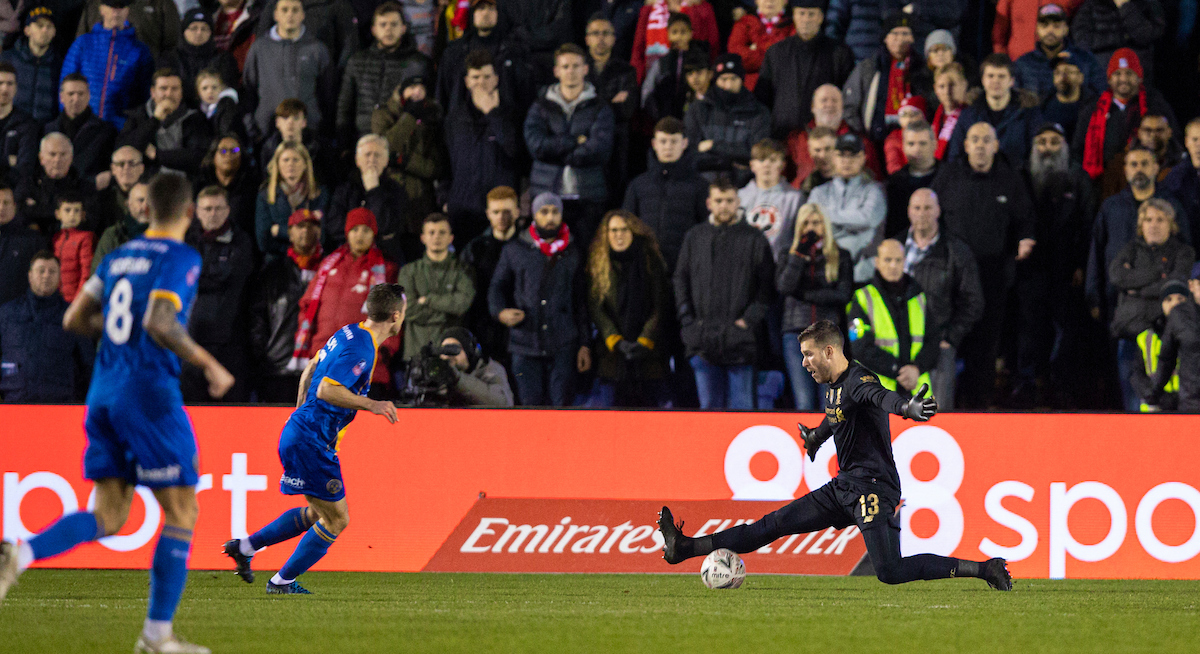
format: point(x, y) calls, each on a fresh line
point(634, 203)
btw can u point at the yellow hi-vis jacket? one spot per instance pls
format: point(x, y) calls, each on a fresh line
point(1150, 345)
point(879, 321)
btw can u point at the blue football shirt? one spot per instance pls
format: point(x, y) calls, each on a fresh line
point(347, 359)
point(145, 268)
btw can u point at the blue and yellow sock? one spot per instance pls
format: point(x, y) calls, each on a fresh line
point(66, 532)
point(310, 550)
point(288, 525)
point(168, 572)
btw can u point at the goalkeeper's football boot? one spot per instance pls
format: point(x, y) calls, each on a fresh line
point(995, 573)
point(293, 588)
point(672, 537)
point(233, 550)
point(172, 645)
point(8, 568)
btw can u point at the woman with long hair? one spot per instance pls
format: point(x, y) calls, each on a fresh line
point(627, 299)
point(950, 87)
point(290, 185)
point(816, 280)
point(228, 164)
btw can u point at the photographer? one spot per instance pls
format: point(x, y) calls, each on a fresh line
point(479, 381)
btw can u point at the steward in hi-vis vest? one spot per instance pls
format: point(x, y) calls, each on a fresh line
point(887, 324)
point(1149, 345)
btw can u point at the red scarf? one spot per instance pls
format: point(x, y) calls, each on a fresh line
point(1093, 148)
point(897, 88)
point(943, 124)
point(461, 9)
point(308, 316)
point(550, 248)
point(305, 262)
point(769, 24)
point(657, 43)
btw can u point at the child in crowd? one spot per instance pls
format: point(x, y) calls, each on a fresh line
point(769, 203)
point(218, 102)
point(666, 91)
point(73, 246)
point(911, 110)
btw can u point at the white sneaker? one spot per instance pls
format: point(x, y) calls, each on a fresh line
point(8, 568)
point(171, 645)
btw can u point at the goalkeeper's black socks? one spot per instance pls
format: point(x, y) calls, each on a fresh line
point(967, 569)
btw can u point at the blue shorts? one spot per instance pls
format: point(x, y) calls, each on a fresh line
point(143, 438)
point(310, 467)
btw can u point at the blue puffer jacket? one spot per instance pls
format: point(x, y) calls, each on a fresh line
point(39, 361)
point(552, 134)
point(37, 81)
point(857, 23)
point(118, 68)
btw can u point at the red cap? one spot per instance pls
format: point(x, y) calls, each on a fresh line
point(303, 215)
point(1125, 58)
point(361, 216)
point(914, 101)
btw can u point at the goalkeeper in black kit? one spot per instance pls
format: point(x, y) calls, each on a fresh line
point(865, 492)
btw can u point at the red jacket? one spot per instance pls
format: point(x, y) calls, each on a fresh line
point(893, 151)
point(704, 28)
point(74, 248)
point(342, 303)
point(797, 144)
point(1015, 30)
point(750, 40)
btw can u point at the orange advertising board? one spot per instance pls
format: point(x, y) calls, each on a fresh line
point(1080, 496)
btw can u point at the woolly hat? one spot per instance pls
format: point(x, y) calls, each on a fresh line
point(729, 63)
point(547, 199)
point(466, 339)
point(940, 37)
point(361, 216)
point(1125, 58)
point(915, 101)
point(1172, 287)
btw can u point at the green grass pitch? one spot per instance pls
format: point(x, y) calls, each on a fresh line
point(79, 611)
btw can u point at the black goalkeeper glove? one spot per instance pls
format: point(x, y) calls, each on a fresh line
point(919, 407)
point(811, 442)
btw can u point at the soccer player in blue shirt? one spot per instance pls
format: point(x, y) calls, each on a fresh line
point(332, 390)
point(138, 433)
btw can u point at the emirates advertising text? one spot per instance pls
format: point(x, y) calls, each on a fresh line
point(1059, 496)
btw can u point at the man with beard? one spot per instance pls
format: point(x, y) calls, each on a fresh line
point(1050, 283)
point(1035, 69)
point(1116, 225)
point(1153, 133)
point(1063, 105)
point(1103, 129)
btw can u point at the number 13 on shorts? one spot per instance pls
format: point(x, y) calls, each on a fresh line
point(869, 504)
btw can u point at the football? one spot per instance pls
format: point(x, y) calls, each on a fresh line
point(723, 569)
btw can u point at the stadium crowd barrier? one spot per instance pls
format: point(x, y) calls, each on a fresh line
point(1060, 496)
